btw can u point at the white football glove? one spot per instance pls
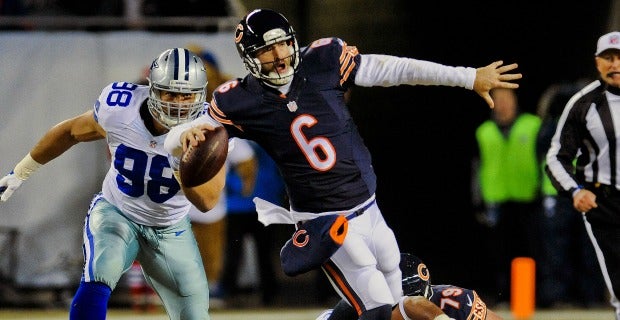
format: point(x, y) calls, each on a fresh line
point(8, 185)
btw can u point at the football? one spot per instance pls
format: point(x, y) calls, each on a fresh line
point(201, 163)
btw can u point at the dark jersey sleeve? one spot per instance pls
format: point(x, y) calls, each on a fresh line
point(459, 303)
point(335, 56)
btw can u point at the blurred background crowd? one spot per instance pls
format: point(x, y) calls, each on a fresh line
point(424, 139)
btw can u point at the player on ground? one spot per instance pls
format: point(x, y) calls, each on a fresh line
point(292, 103)
point(142, 211)
point(448, 301)
point(458, 303)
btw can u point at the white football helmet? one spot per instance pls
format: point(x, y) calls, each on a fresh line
point(177, 70)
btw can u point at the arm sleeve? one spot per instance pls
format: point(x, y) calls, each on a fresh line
point(386, 71)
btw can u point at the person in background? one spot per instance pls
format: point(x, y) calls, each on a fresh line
point(569, 272)
point(193, 8)
point(143, 297)
point(292, 104)
point(422, 300)
point(242, 222)
point(507, 177)
point(215, 74)
point(141, 212)
point(211, 227)
point(587, 133)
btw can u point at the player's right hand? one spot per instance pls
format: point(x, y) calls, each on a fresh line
point(194, 135)
point(8, 184)
point(495, 75)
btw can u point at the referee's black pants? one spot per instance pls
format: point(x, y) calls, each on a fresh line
point(603, 224)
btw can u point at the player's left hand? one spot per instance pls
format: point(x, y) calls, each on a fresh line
point(8, 184)
point(494, 76)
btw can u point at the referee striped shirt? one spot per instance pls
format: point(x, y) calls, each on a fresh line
point(589, 129)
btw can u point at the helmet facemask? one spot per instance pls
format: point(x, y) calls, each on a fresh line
point(170, 113)
point(180, 72)
point(274, 77)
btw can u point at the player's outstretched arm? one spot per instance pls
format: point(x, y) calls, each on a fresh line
point(55, 142)
point(417, 308)
point(495, 75)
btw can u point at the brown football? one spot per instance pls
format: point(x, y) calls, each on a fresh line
point(201, 163)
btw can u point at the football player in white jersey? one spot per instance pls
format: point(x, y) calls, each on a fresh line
point(142, 211)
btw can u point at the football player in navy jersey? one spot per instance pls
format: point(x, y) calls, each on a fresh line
point(456, 302)
point(292, 104)
point(142, 211)
point(423, 301)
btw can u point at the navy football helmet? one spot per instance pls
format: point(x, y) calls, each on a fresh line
point(177, 70)
point(261, 28)
point(416, 277)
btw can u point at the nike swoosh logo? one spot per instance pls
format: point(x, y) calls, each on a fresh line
point(178, 233)
point(469, 302)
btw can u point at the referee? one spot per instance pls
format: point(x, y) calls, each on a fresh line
point(589, 130)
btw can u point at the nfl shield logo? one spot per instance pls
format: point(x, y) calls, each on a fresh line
point(292, 106)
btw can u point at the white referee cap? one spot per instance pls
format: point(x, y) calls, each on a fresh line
point(608, 41)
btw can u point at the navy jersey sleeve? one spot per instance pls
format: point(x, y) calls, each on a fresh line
point(459, 303)
point(335, 55)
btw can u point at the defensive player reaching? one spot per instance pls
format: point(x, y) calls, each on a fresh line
point(142, 211)
point(292, 104)
point(423, 301)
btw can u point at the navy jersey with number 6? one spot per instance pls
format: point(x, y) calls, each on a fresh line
point(309, 132)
